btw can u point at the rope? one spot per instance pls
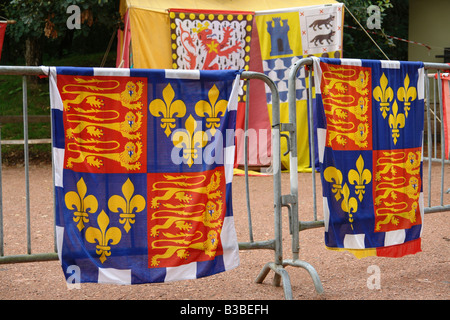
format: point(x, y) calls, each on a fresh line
point(366, 32)
point(108, 49)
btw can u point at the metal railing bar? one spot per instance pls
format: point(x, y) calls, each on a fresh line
point(267, 244)
point(441, 110)
point(1, 199)
point(435, 118)
point(436, 209)
point(26, 159)
point(23, 70)
point(436, 65)
point(293, 154)
point(30, 141)
point(246, 155)
point(304, 225)
point(35, 257)
point(436, 160)
point(427, 88)
point(19, 118)
point(276, 152)
point(313, 155)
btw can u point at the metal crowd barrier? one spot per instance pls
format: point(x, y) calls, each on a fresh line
point(431, 139)
point(29, 256)
point(435, 120)
point(279, 199)
point(289, 201)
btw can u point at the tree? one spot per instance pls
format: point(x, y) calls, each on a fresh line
point(394, 22)
point(39, 22)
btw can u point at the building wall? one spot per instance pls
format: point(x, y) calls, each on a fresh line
point(429, 23)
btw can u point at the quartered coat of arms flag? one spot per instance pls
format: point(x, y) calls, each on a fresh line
point(143, 172)
point(370, 117)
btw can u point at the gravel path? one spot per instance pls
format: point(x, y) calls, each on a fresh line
point(421, 276)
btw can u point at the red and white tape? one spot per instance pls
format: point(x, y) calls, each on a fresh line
point(392, 37)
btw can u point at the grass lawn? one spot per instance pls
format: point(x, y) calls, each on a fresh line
point(11, 97)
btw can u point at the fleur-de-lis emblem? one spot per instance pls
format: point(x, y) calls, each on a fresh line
point(128, 205)
point(396, 122)
point(212, 109)
point(167, 109)
point(384, 95)
point(82, 204)
point(104, 236)
point(349, 204)
point(407, 94)
point(190, 139)
point(331, 174)
point(360, 177)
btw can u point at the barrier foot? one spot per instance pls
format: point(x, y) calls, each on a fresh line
point(312, 272)
point(280, 272)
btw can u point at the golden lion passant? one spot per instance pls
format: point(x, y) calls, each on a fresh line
point(131, 123)
point(128, 97)
point(92, 153)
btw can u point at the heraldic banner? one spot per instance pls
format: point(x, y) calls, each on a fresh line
point(143, 169)
point(445, 85)
point(370, 132)
point(210, 39)
point(3, 25)
point(285, 37)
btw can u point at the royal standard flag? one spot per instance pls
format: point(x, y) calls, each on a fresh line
point(143, 165)
point(210, 39)
point(370, 132)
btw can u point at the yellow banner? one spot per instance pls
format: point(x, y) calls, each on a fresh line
point(150, 41)
point(279, 35)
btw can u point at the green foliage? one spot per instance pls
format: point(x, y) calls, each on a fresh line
point(45, 21)
point(41, 29)
point(38, 17)
point(394, 22)
point(359, 7)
